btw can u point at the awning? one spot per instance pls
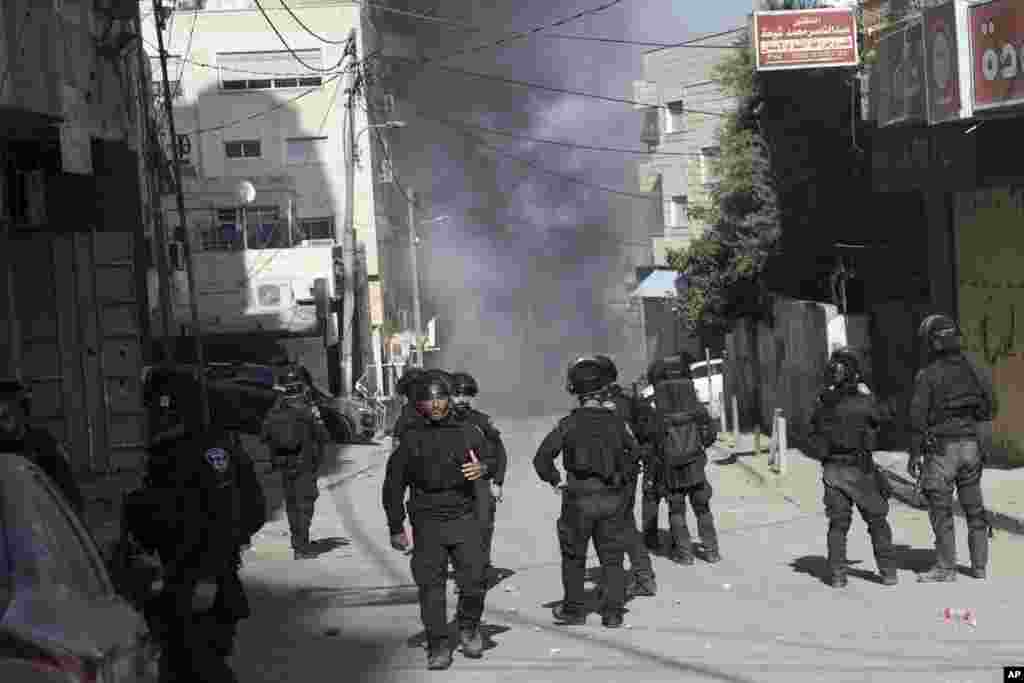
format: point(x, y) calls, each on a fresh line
point(661, 284)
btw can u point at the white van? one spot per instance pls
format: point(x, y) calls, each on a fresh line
point(710, 394)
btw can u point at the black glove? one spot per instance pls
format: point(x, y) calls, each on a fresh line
point(914, 466)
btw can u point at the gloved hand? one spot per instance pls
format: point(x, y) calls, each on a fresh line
point(914, 466)
point(400, 543)
point(496, 491)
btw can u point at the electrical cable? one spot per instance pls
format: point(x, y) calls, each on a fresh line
point(288, 47)
point(309, 30)
point(563, 91)
point(17, 47)
point(574, 145)
point(188, 45)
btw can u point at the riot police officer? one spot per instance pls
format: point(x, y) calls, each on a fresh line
point(208, 503)
point(843, 434)
point(598, 452)
point(464, 391)
point(296, 435)
point(439, 458)
point(682, 431)
point(951, 396)
point(642, 582)
point(37, 445)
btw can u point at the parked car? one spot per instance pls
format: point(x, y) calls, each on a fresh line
point(710, 396)
point(242, 393)
point(60, 616)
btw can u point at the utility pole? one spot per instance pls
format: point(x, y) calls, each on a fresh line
point(417, 313)
point(163, 272)
point(346, 238)
point(186, 239)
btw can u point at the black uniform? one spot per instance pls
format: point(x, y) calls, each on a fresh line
point(951, 396)
point(205, 504)
point(299, 467)
point(653, 486)
point(682, 430)
point(639, 558)
point(599, 452)
point(486, 503)
point(843, 433)
point(445, 524)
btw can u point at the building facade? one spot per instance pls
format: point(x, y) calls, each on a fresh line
point(77, 171)
point(266, 113)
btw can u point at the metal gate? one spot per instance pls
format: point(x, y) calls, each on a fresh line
point(81, 353)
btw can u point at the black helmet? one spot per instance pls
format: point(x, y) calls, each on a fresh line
point(465, 384)
point(940, 333)
point(406, 380)
point(609, 366)
point(430, 386)
point(588, 375)
point(844, 367)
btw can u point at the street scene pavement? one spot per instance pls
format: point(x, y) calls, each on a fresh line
point(762, 614)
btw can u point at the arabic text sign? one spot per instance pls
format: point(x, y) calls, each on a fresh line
point(942, 67)
point(997, 52)
point(804, 39)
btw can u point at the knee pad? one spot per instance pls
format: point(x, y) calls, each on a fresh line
point(700, 498)
point(840, 522)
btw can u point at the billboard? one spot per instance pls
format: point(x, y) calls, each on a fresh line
point(996, 29)
point(805, 39)
point(947, 60)
point(899, 75)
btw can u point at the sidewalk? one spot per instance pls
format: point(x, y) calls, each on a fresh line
point(1003, 489)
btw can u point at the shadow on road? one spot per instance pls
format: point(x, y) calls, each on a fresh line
point(906, 558)
point(488, 631)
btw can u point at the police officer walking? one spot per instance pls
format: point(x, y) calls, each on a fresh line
point(439, 458)
point(642, 582)
point(951, 395)
point(598, 452)
point(844, 427)
point(296, 435)
point(464, 390)
point(37, 445)
point(208, 503)
point(683, 430)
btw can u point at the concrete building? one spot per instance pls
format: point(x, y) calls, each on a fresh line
point(682, 116)
point(76, 174)
point(267, 108)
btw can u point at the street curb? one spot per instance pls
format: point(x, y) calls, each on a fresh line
point(903, 489)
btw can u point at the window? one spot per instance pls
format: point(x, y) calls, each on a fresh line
point(263, 228)
point(242, 149)
point(675, 121)
point(225, 234)
point(708, 157)
point(301, 151)
point(315, 229)
point(677, 212)
point(268, 70)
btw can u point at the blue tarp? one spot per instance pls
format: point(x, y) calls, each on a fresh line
point(660, 284)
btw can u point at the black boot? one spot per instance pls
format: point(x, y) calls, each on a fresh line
point(937, 574)
point(439, 659)
point(838, 579)
point(682, 551)
point(472, 642)
point(889, 577)
point(977, 544)
point(708, 536)
point(612, 619)
point(568, 617)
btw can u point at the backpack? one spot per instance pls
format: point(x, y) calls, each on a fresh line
point(284, 427)
point(681, 418)
point(595, 445)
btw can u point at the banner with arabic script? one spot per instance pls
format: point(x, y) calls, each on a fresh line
point(991, 295)
point(805, 39)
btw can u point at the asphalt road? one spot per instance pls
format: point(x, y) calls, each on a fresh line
point(762, 614)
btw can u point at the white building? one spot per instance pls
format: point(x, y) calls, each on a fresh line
point(251, 105)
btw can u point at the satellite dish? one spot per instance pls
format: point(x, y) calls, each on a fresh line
point(246, 192)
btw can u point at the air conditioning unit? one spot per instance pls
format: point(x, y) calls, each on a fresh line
point(317, 243)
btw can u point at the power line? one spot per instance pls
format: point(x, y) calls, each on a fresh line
point(692, 41)
point(188, 46)
point(265, 112)
point(205, 65)
point(294, 54)
point(558, 174)
point(574, 145)
point(564, 91)
point(309, 30)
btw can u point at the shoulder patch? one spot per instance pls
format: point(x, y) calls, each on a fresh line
point(218, 459)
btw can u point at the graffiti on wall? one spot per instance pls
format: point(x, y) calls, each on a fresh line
point(990, 236)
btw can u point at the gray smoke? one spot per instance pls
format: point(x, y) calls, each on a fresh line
point(530, 270)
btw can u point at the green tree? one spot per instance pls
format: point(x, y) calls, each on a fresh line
point(723, 267)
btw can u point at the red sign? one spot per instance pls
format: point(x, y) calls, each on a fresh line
point(805, 39)
point(942, 67)
point(997, 52)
